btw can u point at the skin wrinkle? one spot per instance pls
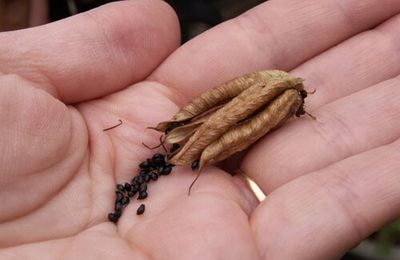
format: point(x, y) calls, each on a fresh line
point(39, 171)
point(343, 184)
point(345, 14)
point(55, 192)
point(109, 41)
point(40, 206)
point(381, 30)
point(331, 128)
point(249, 24)
point(317, 79)
point(134, 245)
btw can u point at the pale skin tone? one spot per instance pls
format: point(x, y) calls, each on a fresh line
point(331, 182)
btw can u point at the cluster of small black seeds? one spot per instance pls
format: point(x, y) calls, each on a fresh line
point(150, 169)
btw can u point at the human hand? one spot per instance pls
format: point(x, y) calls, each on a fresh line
point(330, 182)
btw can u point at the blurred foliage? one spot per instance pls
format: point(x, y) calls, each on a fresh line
point(387, 237)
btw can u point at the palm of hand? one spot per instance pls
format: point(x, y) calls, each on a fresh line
point(59, 187)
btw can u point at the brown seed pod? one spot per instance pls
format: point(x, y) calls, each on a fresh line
point(238, 109)
point(240, 137)
point(222, 94)
point(232, 116)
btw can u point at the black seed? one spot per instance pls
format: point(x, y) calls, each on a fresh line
point(142, 195)
point(113, 217)
point(166, 170)
point(146, 178)
point(119, 196)
point(150, 163)
point(118, 213)
point(140, 210)
point(131, 194)
point(143, 188)
point(154, 176)
point(125, 201)
point(157, 156)
point(303, 93)
point(300, 111)
point(195, 165)
point(118, 206)
point(174, 147)
point(120, 187)
point(144, 165)
point(158, 159)
point(143, 172)
point(172, 126)
point(127, 187)
point(139, 180)
point(135, 187)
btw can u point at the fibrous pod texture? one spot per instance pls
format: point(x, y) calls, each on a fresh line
point(230, 117)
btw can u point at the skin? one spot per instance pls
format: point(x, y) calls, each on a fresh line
point(330, 182)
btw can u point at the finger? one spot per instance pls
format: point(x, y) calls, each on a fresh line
point(94, 53)
point(277, 34)
point(354, 64)
point(343, 128)
point(325, 213)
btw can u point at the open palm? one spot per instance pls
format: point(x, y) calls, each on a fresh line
point(330, 182)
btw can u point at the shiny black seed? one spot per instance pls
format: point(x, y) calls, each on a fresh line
point(120, 187)
point(131, 194)
point(118, 206)
point(303, 93)
point(144, 165)
point(135, 187)
point(157, 156)
point(172, 126)
point(195, 165)
point(158, 159)
point(154, 176)
point(119, 196)
point(139, 180)
point(118, 213)
point(174, 147)
point(127, 187)
point(300, 111)
point(142, 195)
point(125, 201)
point(143, 188)
point(113, 217)
point(150, 163)
point(166, 170)
point(140, 210)
point(143, 172)
point(146, 178)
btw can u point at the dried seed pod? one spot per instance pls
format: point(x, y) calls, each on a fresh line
point(182, 133)
point(222, 94)
point(232, 116)
point(240, 137)
point(238, 109)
